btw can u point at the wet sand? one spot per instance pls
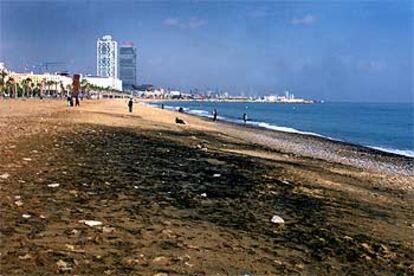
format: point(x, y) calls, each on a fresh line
point(192, 199)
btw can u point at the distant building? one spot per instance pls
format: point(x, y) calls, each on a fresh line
point(175, 94)
point(107, 57)
point(128, 65)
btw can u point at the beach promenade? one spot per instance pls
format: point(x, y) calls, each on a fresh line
point(96, 190)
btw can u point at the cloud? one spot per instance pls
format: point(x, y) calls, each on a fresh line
point(308, 19)
point(195, 23)
point(259, 12)
point(191, 23)
point(371, 66)
point(171, 21)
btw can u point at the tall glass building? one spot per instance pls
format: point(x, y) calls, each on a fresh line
point(107, 57)
point(128, 65)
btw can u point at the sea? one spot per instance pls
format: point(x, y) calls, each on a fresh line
point(384, 126)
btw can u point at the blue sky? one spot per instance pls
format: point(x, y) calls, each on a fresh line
point(332, 50)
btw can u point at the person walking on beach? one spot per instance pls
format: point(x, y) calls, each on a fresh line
point(215, 115)
point(130, 104)
point(77, 103)
point(244, 118)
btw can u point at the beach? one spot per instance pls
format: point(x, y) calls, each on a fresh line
point(97, 190)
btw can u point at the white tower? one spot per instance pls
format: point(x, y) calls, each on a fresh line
point(107, 57)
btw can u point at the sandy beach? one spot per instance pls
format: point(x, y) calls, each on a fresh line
point(97, 190)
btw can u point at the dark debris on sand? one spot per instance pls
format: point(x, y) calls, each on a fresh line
point(176, 208)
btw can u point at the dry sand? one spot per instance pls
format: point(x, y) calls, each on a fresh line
point(192, 199)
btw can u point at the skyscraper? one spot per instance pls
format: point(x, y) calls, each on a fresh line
point(128, 64)
point(107, 57)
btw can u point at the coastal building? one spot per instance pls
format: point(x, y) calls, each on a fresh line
point(151, 93)
point(128, 65)
point(64, 81)
point(174, 94)
point(109, 82)
point(53, 81)
point(287, 98)
point(107, 57)
point(58, 81)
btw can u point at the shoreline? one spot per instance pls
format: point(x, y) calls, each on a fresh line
point(355, 155)
point(257, 125)
point(362, 148)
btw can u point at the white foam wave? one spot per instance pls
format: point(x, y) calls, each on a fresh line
point(175, 108)
point(199, 112)
point(408, 153)
point(285, 129)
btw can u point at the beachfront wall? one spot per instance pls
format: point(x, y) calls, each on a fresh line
point(112, 83)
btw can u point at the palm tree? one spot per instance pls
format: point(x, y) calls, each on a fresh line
point(45, 87)
point(69, 88)
point(61, 89)
point(32, 88)
point(51, 83)
point(18, 90)
point(29, 86)
point(11, 87)
point(39, 89)
point(83, 83)
point(85, 87)
point(48, 84)
point(51, 88)
point(25, 84)
point(3, 80)
point(56, 83)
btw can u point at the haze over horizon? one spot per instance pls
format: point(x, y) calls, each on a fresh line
point(336, 51)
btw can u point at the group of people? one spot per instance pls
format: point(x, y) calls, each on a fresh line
point(215, 116)
point(181, 110)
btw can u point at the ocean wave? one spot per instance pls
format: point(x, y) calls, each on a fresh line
point(286, 129)
point(151, 105)
point(199, 112)
point(175, 108)
point(408, 153)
